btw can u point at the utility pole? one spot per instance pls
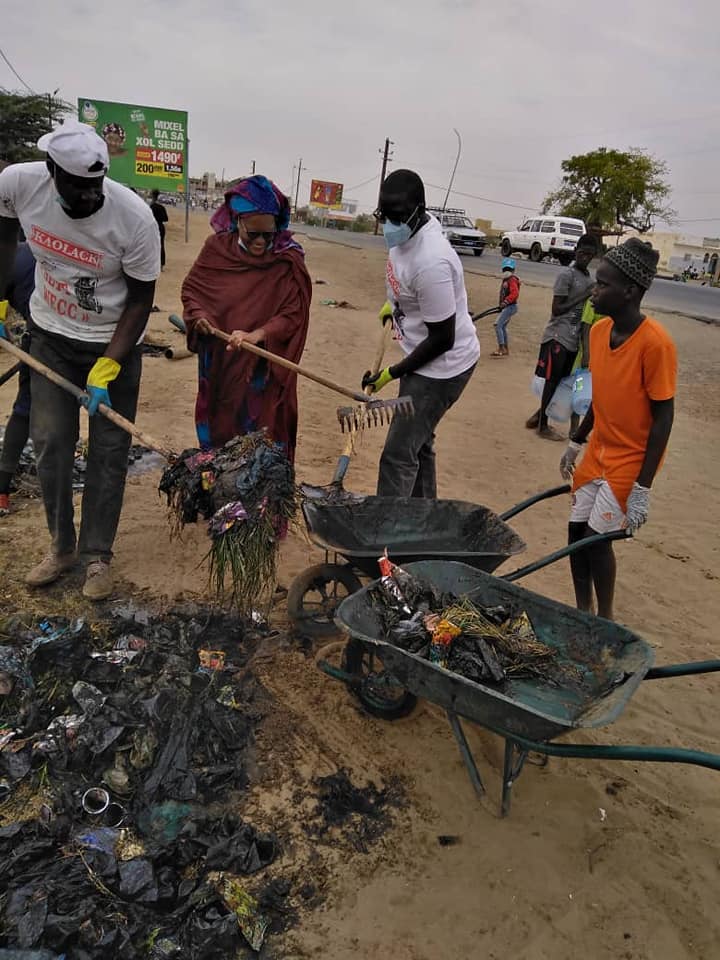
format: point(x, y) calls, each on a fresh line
point(50, 106)
point(253, 163)
point(386, 159)
point(297, 186)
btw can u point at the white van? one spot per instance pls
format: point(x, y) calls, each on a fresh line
point(544, 237)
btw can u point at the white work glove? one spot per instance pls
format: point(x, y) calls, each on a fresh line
point(567, 462)
point(638, 505)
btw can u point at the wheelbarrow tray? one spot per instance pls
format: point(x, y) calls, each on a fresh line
point(611, 659)
point(412, 529)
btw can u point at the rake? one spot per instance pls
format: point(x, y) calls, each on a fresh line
point(368, 411)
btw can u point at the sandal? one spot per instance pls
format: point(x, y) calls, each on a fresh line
point(498, 353)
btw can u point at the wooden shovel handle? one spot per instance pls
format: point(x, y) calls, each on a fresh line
point(127, 425)
point(296, 368)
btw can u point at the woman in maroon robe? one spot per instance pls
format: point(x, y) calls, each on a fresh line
point(249, 281)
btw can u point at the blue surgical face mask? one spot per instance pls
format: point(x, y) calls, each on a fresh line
point(396, 233)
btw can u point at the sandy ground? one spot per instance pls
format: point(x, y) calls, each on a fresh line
point(555, 880)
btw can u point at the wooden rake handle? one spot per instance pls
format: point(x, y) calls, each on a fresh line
point(296, 368)
point(127, 425)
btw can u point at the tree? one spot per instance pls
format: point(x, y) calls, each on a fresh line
point(612, 190)
point(24, 118)
point(363, 223)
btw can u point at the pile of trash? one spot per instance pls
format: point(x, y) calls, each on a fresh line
point(361, 814)
point(246, 491)
point(121, 745)
point(26, 482)
point(490, 645)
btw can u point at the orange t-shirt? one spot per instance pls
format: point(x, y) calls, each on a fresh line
point(624, 381)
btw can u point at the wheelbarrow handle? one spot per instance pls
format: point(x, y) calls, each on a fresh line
point(565, 552)
point(606, 752)
point(683, 669)
point(485, 313)
point(544, 495)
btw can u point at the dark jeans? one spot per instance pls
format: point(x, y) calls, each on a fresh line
point(407, 465)
point(54, 428)
point(17, 428)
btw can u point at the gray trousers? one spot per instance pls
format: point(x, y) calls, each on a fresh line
point(407, 464)
point(54, 428)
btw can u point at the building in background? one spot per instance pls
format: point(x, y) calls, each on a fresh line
point(680, 252)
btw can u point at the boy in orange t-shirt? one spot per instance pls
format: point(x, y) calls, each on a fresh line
point(634, 368)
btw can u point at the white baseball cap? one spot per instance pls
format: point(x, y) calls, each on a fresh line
point(76, 147)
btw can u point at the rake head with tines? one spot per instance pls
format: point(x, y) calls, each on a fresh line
point(374, 413)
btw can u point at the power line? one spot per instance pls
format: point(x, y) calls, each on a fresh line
point(364, 183)
point(27, 86)
point(473, 196)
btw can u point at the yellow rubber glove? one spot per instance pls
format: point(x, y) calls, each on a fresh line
point(103, 372)
point(386, 313)
point(378, 381)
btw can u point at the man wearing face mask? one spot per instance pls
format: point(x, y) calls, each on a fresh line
point(427, 304)
point(97, 251)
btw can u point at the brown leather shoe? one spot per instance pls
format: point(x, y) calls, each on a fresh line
point(98, 581)
point(49, 569)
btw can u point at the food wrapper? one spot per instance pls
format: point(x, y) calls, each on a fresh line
point(251, 921)
point(443, 635)
point(211, 661)
point(226, 518)
point(522, 628)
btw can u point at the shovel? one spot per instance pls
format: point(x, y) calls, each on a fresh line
point(127, 425)
point(371, 412)
point(335, 491)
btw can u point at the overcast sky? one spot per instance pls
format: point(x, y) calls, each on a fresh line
point(526, 82)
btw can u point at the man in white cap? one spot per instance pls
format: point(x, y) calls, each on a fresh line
point(98, 256)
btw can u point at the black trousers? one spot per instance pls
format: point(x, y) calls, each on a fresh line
point(54, 428)
point(407, 464)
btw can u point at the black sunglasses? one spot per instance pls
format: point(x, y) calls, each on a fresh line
point(267, 235)
point(395, 218)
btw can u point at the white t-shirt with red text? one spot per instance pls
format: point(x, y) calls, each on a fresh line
point(426, 284)
point(80, 291)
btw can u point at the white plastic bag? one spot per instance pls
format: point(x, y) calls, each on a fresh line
point(582, 391)
point(560, 407)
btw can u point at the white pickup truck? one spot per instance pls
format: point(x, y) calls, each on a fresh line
point(459, 230)
point(544, 237)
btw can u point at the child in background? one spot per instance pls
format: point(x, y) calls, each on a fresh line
point(509, 294)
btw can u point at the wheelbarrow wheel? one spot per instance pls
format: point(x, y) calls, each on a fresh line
point(377, 690)
point(316, 593)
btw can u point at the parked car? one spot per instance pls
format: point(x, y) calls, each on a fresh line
point(459, 230)
point(544, 237)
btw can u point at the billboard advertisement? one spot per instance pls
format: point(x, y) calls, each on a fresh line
point(147, 145)
point(325, 193)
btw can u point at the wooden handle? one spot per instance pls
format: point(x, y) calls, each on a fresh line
point(296, 368)
point(383, 341)
point(127, 425)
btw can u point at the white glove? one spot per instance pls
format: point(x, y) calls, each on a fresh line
point(638, 505)
point(567, 462)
